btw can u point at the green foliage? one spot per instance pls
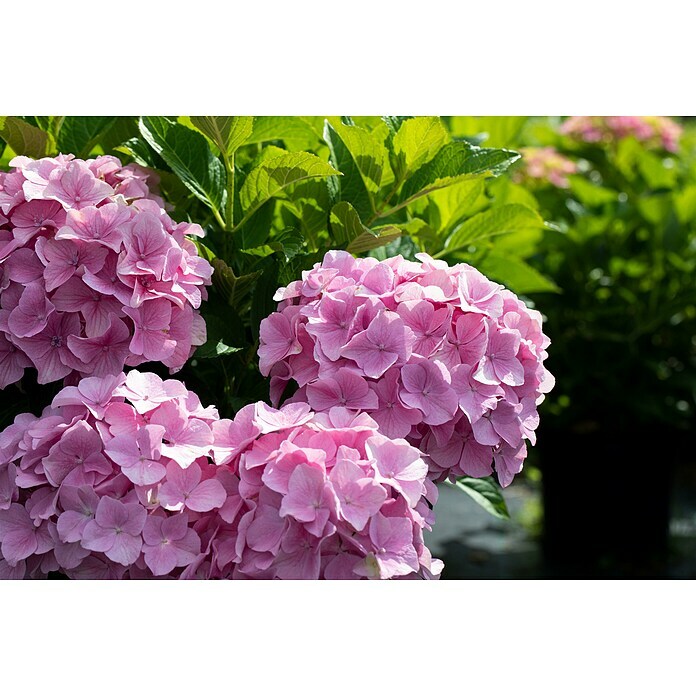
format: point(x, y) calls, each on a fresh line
point(79, 134)
point(22, 137)
point(623, 252)
point(486, 493)
point(190, 158)
point(228, 133)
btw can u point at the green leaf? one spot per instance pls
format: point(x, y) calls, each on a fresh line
point(494, 221)
point(516, 274)
point(501, 131)
point(214, 349)
point(368, 153)
point(505, 191)
point(190, 158)
point(233, 288)
point(685, 203)
point(295, 131)
point(124, 128)
point(262, 303)
point(79, 134)
point(405, 246)
point(486, 493)
point(310, 201)
point(273, 176)
point(289, 242)
point(143, 155)
point(655, 172)
point(395, 122)
point(351, 187)
point(372, 239)
point(23, 138)
point(456, 162)
point(417, 142)
point(457, 202)
point(346, 224)
point(227, 132)
point(590, 194)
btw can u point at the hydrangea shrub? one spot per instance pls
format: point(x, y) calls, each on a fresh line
point(436, 354)
point(94, 275)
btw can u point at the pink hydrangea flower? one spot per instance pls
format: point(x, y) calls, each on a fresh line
point(91, 265)
point(325, 497)
point(438, 355)
point(94, 488)
point(654, 131)
point(544, 166)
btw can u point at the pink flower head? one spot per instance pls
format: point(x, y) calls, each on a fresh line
point(416, 345)
point(657, 132)
point(72, 245)
point(308, 501)
point(95, 488)
point(545, 165)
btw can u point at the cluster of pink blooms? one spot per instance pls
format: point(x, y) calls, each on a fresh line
point(113, 480)
point(324, 496)
point(438, 355)
point(94, 275)
point(656, 131)
point(545, 164)
point(131, 477)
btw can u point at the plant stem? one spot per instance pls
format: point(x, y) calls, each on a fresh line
point(229, 215)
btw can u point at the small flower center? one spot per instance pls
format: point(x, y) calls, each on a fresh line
point(56, 342)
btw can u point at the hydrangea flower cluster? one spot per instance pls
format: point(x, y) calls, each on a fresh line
point(94, 275)
point(438, 355)
point(113, 480)
point(656, 131)
point(323, 496)
point(545, 164)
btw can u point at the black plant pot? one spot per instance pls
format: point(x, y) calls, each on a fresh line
point(607, 500)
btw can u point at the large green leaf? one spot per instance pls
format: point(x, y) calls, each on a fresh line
point(486, 493)
point(189, 156)
point(516, 274)
point(351, 186)
point(417, 142)
point(273, 176)
point(456, 162)
point(79, 134)
point(227, 132)
point(367, 150)
point(23, 138)
point(456, 202)
point(504, 219)
point(233, 288)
